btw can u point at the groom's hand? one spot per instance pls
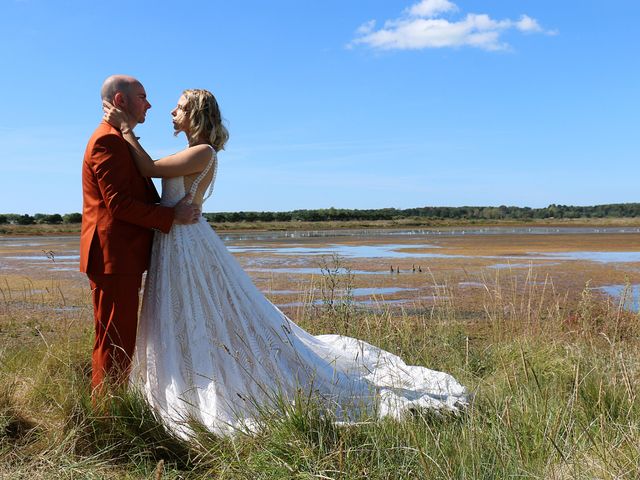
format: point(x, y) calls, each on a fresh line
point(186, 212)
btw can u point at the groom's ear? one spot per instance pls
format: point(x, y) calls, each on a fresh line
point(120, 100)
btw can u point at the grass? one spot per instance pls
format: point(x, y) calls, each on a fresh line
point(554, 384)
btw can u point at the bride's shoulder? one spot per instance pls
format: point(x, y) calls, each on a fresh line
point(197, 154)
point(202, 151)
point(200, 148)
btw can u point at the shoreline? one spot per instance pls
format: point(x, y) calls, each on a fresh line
point(403, 224)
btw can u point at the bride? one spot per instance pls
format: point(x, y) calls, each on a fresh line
point(210, 347)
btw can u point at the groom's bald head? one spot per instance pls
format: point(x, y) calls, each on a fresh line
point(117, 83)
point(128, 94)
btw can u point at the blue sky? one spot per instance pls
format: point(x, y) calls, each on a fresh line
point(350, 104)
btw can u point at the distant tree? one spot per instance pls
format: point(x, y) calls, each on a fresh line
point(54, 219)
point(25, 219)
point(464, 212)
point(282, 216)
point(3, 219)
point(72, 218)
point(49, 219)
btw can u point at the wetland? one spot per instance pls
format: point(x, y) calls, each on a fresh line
point(540, 323)
point(407, 268)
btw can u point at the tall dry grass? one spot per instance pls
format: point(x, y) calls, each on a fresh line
point(554, 383)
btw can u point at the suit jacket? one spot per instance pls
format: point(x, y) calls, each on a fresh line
point(119, 208)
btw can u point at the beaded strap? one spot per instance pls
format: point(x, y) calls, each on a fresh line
point(196, 183)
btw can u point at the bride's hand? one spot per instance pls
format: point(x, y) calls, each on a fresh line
point(116, 117)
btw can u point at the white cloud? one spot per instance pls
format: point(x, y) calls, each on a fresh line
point(431, 8)
point(422, 26)
point(366, 28)
point(528, 24)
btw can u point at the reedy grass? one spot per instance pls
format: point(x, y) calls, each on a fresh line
point(553, 384)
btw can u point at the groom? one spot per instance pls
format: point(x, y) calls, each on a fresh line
point(119, 214)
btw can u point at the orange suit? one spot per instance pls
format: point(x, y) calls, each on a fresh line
point(119, 212)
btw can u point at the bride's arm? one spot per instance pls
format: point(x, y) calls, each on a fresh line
point(190, 160)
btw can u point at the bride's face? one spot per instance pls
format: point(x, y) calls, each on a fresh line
point(179, 114)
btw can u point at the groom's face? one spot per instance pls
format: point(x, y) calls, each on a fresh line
point(137, 103)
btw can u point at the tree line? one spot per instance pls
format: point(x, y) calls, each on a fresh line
point(341, 214)
point(39, 218)
point(436, 213)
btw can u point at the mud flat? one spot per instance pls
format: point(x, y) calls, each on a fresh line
point(410, 268)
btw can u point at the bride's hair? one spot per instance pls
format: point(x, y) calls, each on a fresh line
point(204, 116)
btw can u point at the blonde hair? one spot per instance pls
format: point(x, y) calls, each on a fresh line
point(205, 121)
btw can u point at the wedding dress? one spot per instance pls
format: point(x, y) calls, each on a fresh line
point(212, 348)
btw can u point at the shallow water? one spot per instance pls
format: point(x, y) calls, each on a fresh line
point(600, 257)
point(360, 292)
point(61, 253)
point(501, 266)
point(435, 232)
point(356, 292)
point(281, 263)
point(45, 258)
point(400, 251)
point(312, 271)
point(348, 251)
point(630, 292)
point(371, 302)
point(36, 241)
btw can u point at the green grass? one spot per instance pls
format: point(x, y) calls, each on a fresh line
point(554, 390)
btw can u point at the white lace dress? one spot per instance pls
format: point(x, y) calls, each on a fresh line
point(210, 346)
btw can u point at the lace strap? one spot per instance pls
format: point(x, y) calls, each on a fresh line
point(196, 182)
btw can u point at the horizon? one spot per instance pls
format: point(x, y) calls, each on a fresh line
point(551, 205)
point(432, 102)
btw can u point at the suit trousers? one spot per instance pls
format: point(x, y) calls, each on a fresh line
point(115, 311)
